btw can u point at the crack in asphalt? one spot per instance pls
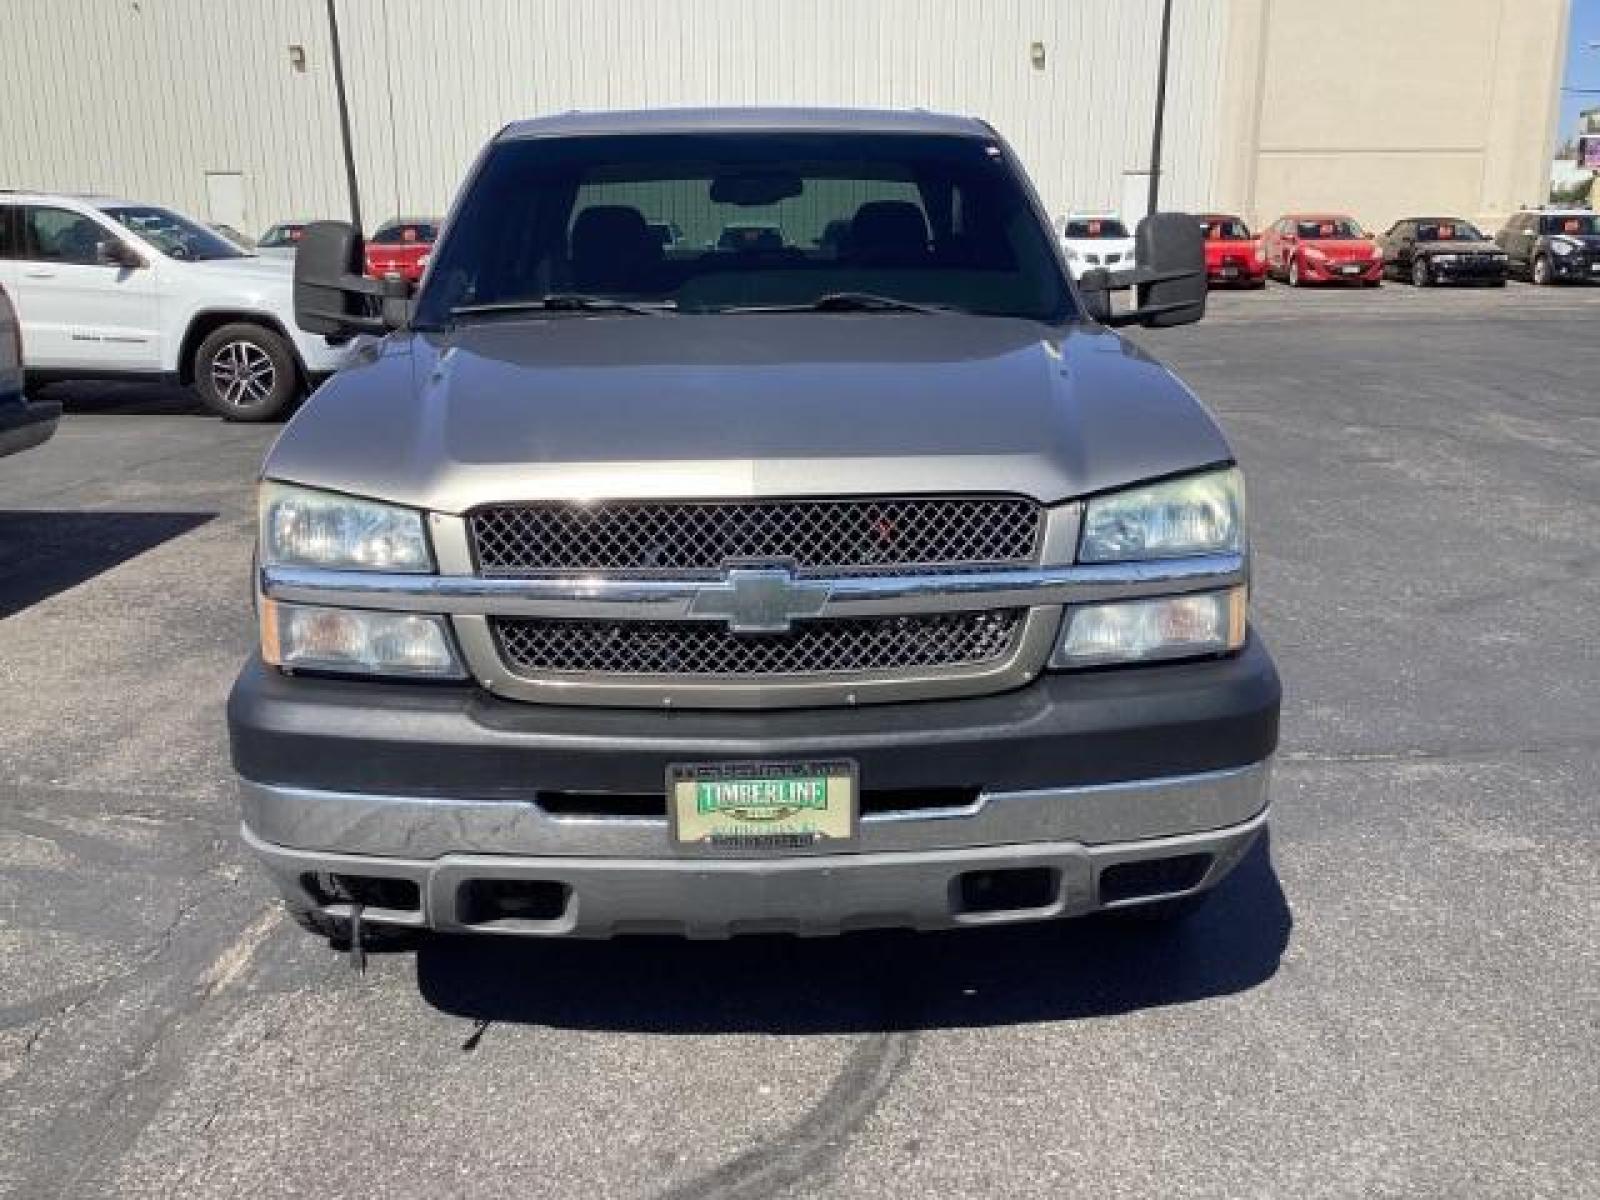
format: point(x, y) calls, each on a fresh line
point(809, 1147)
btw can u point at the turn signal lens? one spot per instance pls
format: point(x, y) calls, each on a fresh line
point(1128, 631)
point(300, 637)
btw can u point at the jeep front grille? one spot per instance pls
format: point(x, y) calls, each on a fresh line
point(698, 650)
point(702, 538)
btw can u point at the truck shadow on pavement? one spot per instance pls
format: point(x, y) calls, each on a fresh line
point(43, 553)
point(869, 982)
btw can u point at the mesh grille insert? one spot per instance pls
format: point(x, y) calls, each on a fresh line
point(692, 649)
point(702, 538)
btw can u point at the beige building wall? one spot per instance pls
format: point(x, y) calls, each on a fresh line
point(1389, 108)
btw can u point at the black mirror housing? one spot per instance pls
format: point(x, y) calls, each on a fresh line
point(117, 254)
point(1173, 247)
point(1169, 280)
point(331, 295)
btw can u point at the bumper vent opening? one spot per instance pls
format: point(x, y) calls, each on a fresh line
point(487, 901)
point(1152, 877)
point(371, 891)
point(1007, 891)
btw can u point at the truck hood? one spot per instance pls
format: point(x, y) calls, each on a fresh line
point(740, 406)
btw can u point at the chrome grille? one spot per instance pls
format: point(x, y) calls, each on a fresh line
point(690, 650)
point(701, 538)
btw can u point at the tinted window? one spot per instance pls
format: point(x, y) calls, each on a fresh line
point(9, 243)
point(1448, 231)
point(406, 234)
point(760, 219)
point(1093, 227)
point(1337, 229)
point(1225, 229)
point(61, 235)
point(174, 234)
point(281, 235)
point(1577, 225)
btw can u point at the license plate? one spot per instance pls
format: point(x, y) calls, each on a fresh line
point(1229, 272)
point(762, 807)
point(1351, 270)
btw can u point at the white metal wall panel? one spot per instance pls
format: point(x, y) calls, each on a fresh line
point(146, 98)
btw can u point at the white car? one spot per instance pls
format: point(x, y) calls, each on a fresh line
point(1095, 240)
point(111, 288)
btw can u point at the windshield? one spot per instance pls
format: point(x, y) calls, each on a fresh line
point(173, 234)
point(1333, 229)
point(406, 233)
point(751, 221)
point(1225, 229)
point(1577, 226)
point(1448, 231)
point(1090, 228)
point(281, 235)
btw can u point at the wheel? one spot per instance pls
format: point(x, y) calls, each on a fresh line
point(245, 373)
point(1543, 275)
point(1159, 912)
point(1294, 272)
point(1419, 272)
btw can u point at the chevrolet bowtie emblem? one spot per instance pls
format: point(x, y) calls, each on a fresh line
point(760, 600)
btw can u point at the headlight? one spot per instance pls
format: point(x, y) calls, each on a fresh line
point(1446, 258)
point(1193, 626)
point(305, 528)
point(1316, 255)
point(1072, 255)
point(351, 641)
point(1200, 514)
point(1562, 248)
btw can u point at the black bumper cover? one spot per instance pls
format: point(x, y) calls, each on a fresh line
point(1064, 729)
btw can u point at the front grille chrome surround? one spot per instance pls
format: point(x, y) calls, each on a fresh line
point(699, 539)
point(701, 650)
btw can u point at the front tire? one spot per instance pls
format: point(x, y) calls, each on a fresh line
point(1419, 273)
point(246, 372)
point(1543, 273)
point(1294, 273)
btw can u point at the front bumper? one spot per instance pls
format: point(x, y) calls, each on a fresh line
point(1575, 267)
point(1328, 271)
point(445, 787)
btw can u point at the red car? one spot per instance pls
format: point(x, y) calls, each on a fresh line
point(400, 248)
point(1320, 248)
point(1233, 253)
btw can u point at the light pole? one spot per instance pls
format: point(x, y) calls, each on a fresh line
point(344, 118)
point(1161, 107)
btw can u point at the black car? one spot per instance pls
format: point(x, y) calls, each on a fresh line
point(1553, 245)
point(1430, 250)
point(22, 425)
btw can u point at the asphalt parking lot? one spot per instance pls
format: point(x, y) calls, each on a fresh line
point(1399, 997)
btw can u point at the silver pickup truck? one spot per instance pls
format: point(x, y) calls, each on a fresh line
point(848, 573)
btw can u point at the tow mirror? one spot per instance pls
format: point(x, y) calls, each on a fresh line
point(332, 296)
point(1169, 278)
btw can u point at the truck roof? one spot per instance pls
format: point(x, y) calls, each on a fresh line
point(713, 120)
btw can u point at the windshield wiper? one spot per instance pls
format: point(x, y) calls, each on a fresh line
point(845, 302)
point(565, 302)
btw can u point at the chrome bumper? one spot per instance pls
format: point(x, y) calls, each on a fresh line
point(618, 875)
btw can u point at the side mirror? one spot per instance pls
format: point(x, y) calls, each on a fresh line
point(1169, 280)
point(117, 254)
point(332, 296)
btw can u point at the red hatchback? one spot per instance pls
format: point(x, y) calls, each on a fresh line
point(1233, 253)
point(1316, 248)
point(400, 248)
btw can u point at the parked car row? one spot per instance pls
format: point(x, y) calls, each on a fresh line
point(397, 249)
point(1543, 245)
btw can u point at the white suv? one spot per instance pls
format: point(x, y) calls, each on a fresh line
point(117, 289)
point(1095, 240)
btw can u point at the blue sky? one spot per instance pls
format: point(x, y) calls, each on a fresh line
point(1583, 65)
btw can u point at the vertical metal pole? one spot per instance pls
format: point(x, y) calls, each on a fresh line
point(1161, 106)
point(344, 118)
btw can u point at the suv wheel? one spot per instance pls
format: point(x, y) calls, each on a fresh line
point(1419, 272)
point(1542, 274)
point(245, 373)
